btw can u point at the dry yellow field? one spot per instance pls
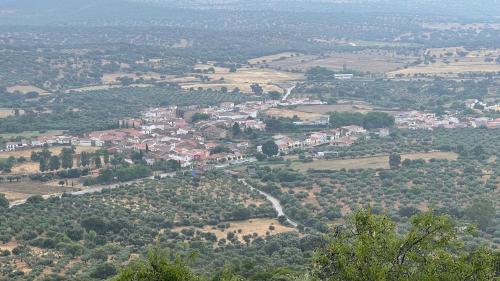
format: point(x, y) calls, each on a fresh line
point(271, 58)
point(105, 87)
point(268, 79)
point(53, 149)
point(22, 190)
point(326, 108)
point(472, 61)
point(247, 227)
point(111, 78)
point(289, 113)
point(26, 168)
point(25, 89)
point(6, 112)
point(375, 162)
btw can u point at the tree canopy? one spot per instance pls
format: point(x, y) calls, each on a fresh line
point(369, 248)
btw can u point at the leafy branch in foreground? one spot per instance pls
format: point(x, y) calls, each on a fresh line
point(370, 249)
point(157, 267)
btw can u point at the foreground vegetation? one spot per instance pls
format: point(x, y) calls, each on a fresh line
point(366, 249)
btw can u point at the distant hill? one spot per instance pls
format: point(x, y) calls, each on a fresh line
point(166, 12)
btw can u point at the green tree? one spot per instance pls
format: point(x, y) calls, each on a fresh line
point(369, 248)
point(481, 212)
point(257, 89)
point(236, 129)
point(103, 271)
point(84, 159)
point(199, 117)
point(270, 148)
point(157, 267)
point(97, 160)
point(274, 95)
point(4, 203)
point(43, 166)
point(394, 160)
point(173, 165)
point(54, 163)
point(67, 158)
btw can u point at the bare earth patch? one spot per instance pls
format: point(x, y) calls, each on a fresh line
point(247, 227)
point(23, 190)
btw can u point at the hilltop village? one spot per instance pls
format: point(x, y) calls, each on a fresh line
point(194, 137)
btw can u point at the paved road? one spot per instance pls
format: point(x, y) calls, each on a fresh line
point(274, 201)
point(288, 92)
point(93, 189)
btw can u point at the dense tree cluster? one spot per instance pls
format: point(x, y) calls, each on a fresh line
point(371, 120)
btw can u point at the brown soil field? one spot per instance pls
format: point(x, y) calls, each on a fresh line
point(247, 227)
point(22, 190)
point(375, 162)
point(8, 246)
point(289, 113)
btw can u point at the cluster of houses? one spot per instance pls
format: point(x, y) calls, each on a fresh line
point(480, 106)
point(344, 136)
point(414, 120)
point(167, 133)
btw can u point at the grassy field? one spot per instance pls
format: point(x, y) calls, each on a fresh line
point(268, 79)
point(111, 78)
point(30, 134)
point(375, 61)
point(341, 106)
point(289, 113)
point(25, 89)
point(376, 162)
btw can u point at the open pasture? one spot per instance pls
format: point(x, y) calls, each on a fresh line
point(22, 190)
point(54, 149)
point(243, 78)
point(375, 61)
point(289, 113)
point(375, 162)
point(454, 60)
point(25, 89)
